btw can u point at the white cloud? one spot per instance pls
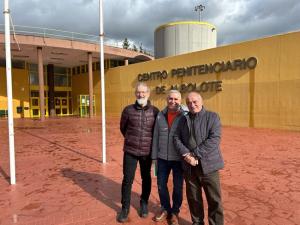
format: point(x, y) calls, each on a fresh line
point(236, 20)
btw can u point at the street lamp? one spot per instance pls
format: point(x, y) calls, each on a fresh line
point(199, 8)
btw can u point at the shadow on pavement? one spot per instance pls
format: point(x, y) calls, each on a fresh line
point(59, 145)
point(101, 188)
point(106, 190)
point(5, 175)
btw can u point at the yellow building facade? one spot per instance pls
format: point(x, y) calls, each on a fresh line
point(263, 94)
point(21, 92)
point(250, 84)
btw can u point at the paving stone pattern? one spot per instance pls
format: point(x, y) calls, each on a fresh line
point(61, 180)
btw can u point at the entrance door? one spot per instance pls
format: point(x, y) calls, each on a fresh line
point(57, 101)
point(64, 106)
point(61, 106)
point(35, 104)
point(35, 107)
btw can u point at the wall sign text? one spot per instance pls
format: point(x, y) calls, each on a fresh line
point(217, 67)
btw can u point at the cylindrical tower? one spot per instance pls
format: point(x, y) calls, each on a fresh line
point(182, 37)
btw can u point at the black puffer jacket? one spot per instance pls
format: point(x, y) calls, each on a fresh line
point(137, 125)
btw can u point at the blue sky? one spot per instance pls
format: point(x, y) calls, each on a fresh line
point(236, 20)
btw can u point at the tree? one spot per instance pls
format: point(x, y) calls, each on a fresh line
point(141, 47)
point(135, 48)
point(125, 43)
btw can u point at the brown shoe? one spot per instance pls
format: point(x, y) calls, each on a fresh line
point(174, 219)
point(161, 216)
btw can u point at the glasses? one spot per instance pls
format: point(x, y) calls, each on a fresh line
point(141, 92)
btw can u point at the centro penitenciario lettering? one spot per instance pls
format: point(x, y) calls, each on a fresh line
point(217, 67)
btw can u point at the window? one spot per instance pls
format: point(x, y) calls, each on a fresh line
point(34, 94)
point(34, 78)
point(61, 77)
point(60, 70)
point(97, 65)
point(83, 69)
point(17, 64)
point(33, 67)
point(2, 63)
point(61, 80)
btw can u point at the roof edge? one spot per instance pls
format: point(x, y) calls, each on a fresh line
point(185, 22)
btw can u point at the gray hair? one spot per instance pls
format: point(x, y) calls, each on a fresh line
point(143, 85)
point(173, 91)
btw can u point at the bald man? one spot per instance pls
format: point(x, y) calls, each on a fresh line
point(198, 142)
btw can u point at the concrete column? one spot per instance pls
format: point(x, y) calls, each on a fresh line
point(41, 82)
point(126, 62)
point(51, 96)
point(91, 93)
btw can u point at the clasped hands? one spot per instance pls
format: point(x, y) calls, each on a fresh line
point(191, 159)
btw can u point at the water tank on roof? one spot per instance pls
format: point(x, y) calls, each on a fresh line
point(182, 37)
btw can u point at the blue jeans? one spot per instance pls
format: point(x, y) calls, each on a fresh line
point(164, 168)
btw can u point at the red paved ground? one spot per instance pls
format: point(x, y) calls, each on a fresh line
point(61, 180)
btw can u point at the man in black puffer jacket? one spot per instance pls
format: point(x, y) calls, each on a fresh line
point(198, 142)
point(137, 123)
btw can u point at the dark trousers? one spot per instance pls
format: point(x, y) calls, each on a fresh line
point(164, 168)
point(210, 183)
point(129, 167)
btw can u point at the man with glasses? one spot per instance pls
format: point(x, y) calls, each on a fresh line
point(136, 125)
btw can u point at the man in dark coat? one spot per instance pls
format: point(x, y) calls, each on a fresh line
point(136, 125)
point(198, 140)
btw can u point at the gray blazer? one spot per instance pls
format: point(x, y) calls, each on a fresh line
point(162, 144)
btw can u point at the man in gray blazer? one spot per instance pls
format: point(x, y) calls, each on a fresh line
point(198, 141)
point(168, 159)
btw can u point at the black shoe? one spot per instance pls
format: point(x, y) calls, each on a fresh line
point(123, 216)
point(143, 209)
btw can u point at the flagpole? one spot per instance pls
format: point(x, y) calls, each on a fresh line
point(102, 82)
point(9, 95)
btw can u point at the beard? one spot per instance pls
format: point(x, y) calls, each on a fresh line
point(142, 101)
